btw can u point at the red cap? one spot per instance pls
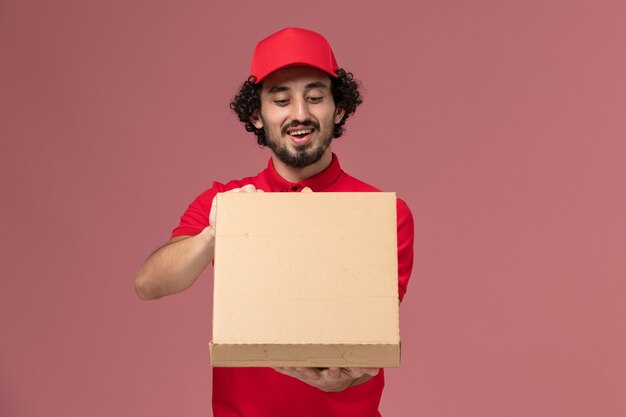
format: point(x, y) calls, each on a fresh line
point(291, 47)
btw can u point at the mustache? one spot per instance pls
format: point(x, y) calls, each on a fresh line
point(296, 123)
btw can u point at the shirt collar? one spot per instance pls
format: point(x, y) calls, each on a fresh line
point(318, 182)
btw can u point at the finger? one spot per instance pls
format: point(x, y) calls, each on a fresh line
point(334, 373)
point(306, 190)
point(359, 372)
point(248, 188)
point(212, 216)
point(311, 374)
point(371, 371)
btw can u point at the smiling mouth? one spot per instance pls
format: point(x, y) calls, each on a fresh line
point(301, 133)
point(298, 130)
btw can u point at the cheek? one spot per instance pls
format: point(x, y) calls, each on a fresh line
point(274, 117)
point(273, 127)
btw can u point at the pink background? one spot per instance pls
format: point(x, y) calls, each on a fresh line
point(500, 122)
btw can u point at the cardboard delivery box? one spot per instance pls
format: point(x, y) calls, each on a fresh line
point(306, 279)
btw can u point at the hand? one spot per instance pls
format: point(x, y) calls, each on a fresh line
point(249, 188)
point(331, 379)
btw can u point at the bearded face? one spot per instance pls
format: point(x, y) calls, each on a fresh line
point(298, 115)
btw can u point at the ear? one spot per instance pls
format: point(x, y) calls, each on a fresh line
point(257, 120)
point(339, 113)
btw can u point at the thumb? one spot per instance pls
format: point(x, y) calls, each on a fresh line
point(306, 190)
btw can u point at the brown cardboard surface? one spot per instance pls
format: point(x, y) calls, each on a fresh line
point(306, 279)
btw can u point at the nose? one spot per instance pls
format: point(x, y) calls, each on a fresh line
point(300, 110)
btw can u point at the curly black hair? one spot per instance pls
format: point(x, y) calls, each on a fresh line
point(344, 88)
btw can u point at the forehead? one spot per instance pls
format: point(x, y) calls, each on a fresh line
point(294, 78)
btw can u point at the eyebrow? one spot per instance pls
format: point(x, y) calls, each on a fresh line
point(309, 86)
point(277, 89)
point(316, 84)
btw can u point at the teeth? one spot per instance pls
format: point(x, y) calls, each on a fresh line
point(300, 132)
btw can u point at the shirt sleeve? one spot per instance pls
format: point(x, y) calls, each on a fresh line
point(196, 217)
point(405, 246)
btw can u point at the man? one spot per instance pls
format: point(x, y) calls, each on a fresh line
point(296, 101)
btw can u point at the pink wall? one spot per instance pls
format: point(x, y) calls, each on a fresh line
point(500, 122)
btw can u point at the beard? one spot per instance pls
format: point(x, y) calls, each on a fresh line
point(299, 156)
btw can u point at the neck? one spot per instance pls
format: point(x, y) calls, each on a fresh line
point(298, 174)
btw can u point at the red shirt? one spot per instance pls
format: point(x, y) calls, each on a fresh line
point(263, 392)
